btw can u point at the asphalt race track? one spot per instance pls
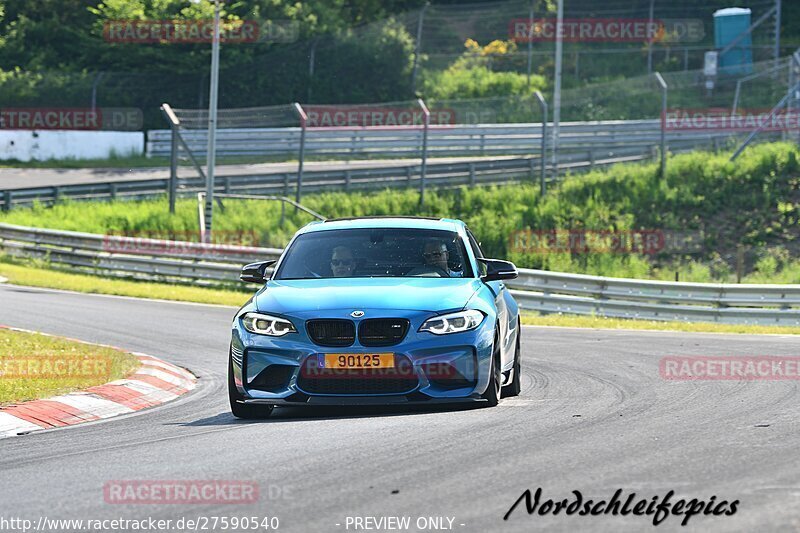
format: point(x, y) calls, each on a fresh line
point(594, 416)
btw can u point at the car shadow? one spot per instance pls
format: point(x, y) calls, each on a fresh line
point(297, 414)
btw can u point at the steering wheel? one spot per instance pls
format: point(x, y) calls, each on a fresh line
point(439, 270)
point(442, 273)
point(311, 272)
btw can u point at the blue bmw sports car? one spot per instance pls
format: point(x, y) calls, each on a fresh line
point(376, 311)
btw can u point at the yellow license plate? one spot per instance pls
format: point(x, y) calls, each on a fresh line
point(359, 360)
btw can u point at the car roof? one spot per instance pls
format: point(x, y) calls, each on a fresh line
point(447, 224)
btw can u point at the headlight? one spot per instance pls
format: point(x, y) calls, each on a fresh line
point(453, 322)
point(267, 325)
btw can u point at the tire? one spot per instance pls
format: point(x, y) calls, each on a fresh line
point(241, 410)
point(492, 393)
point(515, 387)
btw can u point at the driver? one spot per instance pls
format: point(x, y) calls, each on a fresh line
point(435, 259)
point(435, 254)
point(342, 262)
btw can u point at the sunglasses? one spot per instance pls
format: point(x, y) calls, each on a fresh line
point(429, 255)
point(341, 262)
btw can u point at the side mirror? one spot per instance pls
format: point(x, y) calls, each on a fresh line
point(497, 270)
point(256, 272)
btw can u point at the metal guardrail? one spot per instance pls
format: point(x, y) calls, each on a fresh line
point(477, 172)
point(537, 290)
point(443, 140)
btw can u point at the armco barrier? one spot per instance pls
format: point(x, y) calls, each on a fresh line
point(477, 139)
point(537, 290)
point(451, 174)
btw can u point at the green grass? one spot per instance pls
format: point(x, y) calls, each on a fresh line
point(598, 322)
point(36, 276)
point(754, 202)
point(24, 357)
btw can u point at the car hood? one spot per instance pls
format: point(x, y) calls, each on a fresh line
point(417, 294)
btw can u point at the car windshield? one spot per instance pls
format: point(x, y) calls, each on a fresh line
point(368, 253)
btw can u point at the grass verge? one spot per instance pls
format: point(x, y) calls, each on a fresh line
point(599, 322)
point(42, 277)
point(35, 366)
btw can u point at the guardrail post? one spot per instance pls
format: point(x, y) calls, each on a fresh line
point(591, 159)
point(347, 180)
point(664, 88)
point(7, 201)
point(303, 120)
point(408, 176)
point(424, 166)
point(471, 174)
point(56, 194)
point(113, 191)
point(227, 185)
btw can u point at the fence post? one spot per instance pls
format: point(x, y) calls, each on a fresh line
point(174, 124)
point(303, 120)
point(417, 48)
point(201, 215)
point(650, 41)
point(664, 88)
point(755, 132)
point(739, 263)
point(530, 42)
point(423, 168)
point(542, 158)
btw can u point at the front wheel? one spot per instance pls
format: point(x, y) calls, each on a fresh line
point(492, 393)
point(242, 410)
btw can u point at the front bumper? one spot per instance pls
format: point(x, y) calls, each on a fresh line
point(435, 369)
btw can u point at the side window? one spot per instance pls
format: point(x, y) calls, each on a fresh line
point(476, 249)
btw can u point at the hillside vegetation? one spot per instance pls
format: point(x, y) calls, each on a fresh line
point(753, 203)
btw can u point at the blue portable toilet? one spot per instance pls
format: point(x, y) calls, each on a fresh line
point(729, 23)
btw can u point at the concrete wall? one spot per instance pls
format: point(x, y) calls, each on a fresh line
point(40, 145)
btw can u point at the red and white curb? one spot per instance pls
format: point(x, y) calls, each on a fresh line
point(154, 383)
